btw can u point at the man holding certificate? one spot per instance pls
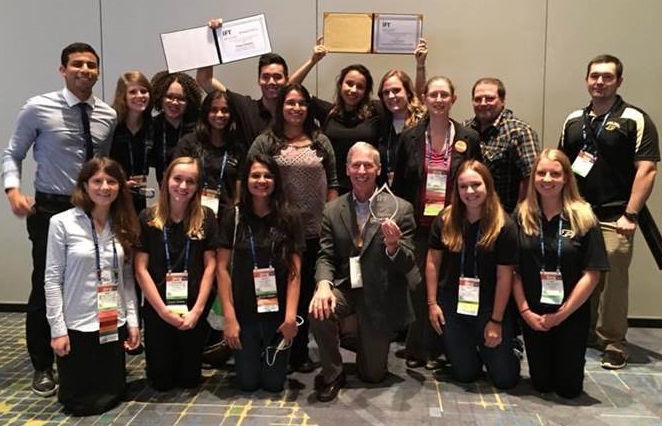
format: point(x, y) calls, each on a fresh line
point(365, 260)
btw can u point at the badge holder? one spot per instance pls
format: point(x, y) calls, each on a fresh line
point(435, 191)
point(266, 291)
point(177, 292)
point(211, 198)
point(468, 297)
point(107, 304)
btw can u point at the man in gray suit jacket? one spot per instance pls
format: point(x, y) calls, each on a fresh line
point(364, 266)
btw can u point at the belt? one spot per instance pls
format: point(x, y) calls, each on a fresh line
point(54, 198)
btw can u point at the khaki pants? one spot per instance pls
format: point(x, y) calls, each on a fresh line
point(609, 303)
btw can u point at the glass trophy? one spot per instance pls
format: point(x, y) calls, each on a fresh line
point(383, 205)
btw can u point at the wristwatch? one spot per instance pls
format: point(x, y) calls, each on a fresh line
point(632, 217)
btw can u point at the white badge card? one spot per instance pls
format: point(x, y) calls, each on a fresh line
point(583, 163)
point(552, 287)
point(177, 292)
point(435, 191)
point(355, 272)
point(468, 296)
point(210, 198)
point(265, 289)
point(107, 305)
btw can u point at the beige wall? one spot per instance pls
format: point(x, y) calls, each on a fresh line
point(539, 48)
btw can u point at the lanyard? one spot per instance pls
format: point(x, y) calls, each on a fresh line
point(224, 162)
point(97, 255)
point(165, 141)
point(251, 242)
point(475, 255)
point(428, 146)
point(132, 170)
point(587, 129)
point(558, 245)
point(167, 251)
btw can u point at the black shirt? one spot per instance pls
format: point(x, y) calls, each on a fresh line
point(165, 134)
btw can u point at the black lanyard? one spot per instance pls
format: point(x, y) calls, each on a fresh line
point(558, 245)
point(165, 140)
point(475, 255)
point(588, 135)
point(167, 251)
point(97, 255)
point(224, 162)
point(132, 170)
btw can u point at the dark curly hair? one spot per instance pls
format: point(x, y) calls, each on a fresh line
point(162, 81)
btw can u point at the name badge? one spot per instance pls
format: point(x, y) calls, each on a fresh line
point(177, 292)
point(107, 305)
point(468, 296)
point(583, 163)
point(435, 191)
point(210, 198)
point(355, 272)
point(552, 288)
point(265, 289)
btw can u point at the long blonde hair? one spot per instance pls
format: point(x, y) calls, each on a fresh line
point(575, 209)
point(493, 217)
point(415, 108)
point(194, 215)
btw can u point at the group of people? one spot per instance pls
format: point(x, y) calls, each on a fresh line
point(272, 208)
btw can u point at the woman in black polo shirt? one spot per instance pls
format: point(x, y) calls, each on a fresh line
point(562, 254)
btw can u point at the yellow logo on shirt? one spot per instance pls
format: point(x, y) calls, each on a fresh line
point(611, 126)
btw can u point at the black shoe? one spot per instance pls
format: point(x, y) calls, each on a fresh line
point(43, 383)
point(305, 367)
point(614, 360)
point(414, 363)
point(137, 351)
point(216, 355)
point(329, 392)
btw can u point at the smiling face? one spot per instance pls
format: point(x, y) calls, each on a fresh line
point(219, 114)
point(353, 89)
point(102, 189)
point(549, 179)
point(174, 102)
point(80, 74)
point(363, 170)
point(439, 98)
point(271, 79)
point(183, 183)
point(295, 109)
point(137, 98)
point(394, 96)
point(260, 181)
point(472, 190)
point(487, 103)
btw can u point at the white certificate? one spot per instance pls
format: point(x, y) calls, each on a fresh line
point(243, 38)
point(396, 33)
point(190, 49)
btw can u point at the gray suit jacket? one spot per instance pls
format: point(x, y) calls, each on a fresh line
point(385, 280)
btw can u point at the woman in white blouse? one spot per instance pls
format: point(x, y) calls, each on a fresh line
point(90, 297)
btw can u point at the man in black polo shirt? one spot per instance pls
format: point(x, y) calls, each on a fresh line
point(614, 149)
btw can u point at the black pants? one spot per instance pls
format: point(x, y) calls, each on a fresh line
point(557, 357)
point(93, 375)
point(299, 352)
point(37, 330)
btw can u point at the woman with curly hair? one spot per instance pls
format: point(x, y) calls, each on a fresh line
point(90, 297)
point(177, 101)
point(175, 264)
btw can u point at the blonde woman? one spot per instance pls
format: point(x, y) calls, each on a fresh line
point(175, 265)
point(562, 254)
point(469, 271)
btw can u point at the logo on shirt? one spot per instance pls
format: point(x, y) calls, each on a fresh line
point(567, 233)
point(610, 126)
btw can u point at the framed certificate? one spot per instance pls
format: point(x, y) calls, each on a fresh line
point(348, 32)
point(202, 46)
point(396, 33)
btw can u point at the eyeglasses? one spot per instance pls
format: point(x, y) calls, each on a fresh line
point(175, 99)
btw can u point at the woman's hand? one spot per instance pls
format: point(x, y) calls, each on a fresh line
point(231, 334)
point(492, 334)
point(61, 345)
point(190, 320)
point(533, 320)
point(133, 339)
point(172, 318)
point(288, 329)
point(437, 319)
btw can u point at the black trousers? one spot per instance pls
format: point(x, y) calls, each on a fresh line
point(299, 351)
point(37, 330)
point(93, 375)
point(557, 357)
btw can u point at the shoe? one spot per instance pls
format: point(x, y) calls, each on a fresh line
point(137, 351)
point(329, 392)
point(613, 360)
point(43, 383)
point(305, 367)
point(414, 363)
point(433, 364)
point(216, 355)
